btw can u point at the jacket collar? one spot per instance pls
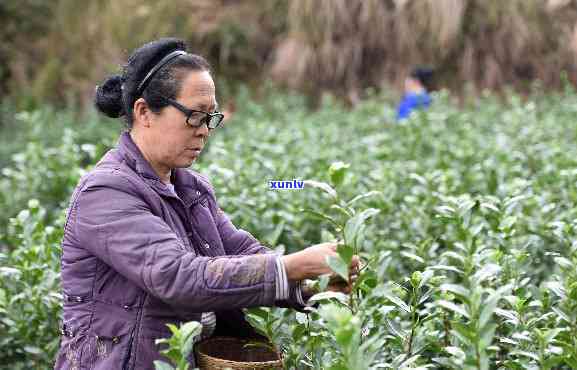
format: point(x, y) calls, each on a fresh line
point(134, 158)
point(180, 177)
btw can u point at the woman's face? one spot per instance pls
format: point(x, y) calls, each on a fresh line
point(172, 143)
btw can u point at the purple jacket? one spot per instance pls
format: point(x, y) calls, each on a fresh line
point(135, 257)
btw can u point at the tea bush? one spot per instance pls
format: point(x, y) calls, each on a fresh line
point(469, 252)
point(30, 299)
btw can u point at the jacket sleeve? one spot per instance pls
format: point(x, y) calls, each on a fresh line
point(240, 242)
point(116, 225)
point(237, 241)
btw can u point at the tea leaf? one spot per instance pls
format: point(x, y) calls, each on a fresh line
point(339, 266)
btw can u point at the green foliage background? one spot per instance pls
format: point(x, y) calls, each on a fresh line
point(473, 251)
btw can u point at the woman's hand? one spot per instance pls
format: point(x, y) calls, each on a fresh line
point(310, 263)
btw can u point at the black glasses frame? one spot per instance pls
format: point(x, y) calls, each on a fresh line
point(211, 120)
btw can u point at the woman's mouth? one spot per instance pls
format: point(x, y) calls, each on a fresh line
point(195, 151)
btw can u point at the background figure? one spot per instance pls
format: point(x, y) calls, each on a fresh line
point(417, 87)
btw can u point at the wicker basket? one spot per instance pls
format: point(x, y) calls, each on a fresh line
point(232, 353)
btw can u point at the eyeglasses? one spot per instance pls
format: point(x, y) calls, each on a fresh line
point(197, 118)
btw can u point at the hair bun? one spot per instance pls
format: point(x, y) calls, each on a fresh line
point(108, 97)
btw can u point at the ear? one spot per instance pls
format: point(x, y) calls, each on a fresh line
point(142, 113)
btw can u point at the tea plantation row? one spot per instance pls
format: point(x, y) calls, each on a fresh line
point(466, 220)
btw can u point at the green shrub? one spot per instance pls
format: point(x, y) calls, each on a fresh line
point(471, 256)
point(30, 299)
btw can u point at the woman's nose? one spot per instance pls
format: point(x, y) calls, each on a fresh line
point(202, 131)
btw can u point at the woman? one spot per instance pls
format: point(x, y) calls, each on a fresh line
point(145, 243)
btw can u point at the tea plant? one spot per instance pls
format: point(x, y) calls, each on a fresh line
point(349, 224)
point(30, 299)
point(179, 346)
point(463, 217)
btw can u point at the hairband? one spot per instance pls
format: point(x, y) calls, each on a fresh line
point(154, 69)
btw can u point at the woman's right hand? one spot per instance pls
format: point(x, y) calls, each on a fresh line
point(311, 263)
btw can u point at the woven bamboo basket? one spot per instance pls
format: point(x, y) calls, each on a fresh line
point(232, 353)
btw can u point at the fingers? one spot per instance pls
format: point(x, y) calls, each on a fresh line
point(332, 246)
point(319, 252)
point(356, 261)
point(353, 276)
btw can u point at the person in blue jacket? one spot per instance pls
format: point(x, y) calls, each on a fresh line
point(417, 87)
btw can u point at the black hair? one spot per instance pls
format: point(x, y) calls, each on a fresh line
point(425, 75)
point(117, 94)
